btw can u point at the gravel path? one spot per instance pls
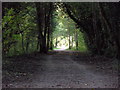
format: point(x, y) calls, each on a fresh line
point(61, 71)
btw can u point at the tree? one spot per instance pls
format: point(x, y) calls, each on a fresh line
point(43, 19)
point(99, 23)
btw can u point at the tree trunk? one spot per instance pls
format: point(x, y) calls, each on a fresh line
point(56, 42)
point(76, 39)
point(22, 36)
point(72, 41)
point(43, 18)
point(51, 43)
point(38, 44)
point(69, 42)
point(114, 28)
point(41, 26)
point(27, 45)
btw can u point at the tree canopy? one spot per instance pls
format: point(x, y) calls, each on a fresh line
point(29, 27)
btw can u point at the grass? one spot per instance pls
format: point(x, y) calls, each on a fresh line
point(81, 49)
point(55, 48)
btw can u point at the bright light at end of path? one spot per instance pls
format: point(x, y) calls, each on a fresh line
point(63, 47)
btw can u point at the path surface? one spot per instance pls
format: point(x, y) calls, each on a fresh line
point(61, 71)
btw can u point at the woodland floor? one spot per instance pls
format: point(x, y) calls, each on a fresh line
point(60, 69)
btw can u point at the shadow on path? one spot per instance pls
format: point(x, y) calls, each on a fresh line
point(60, 69)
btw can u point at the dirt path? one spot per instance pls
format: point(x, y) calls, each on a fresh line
point(61, 71)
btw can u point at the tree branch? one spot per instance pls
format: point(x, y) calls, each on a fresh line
point(73, 17)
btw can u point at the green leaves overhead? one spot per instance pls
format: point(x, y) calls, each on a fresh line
point(35, 25)
point(97, 21)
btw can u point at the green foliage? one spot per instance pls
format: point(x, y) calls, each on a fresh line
point(100, 24)
point(82, 44)
point(65, 32)
point(17, 27)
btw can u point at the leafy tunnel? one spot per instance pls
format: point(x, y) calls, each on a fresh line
point(39, 27)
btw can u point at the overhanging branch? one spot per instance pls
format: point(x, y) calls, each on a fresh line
point(69, 12)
